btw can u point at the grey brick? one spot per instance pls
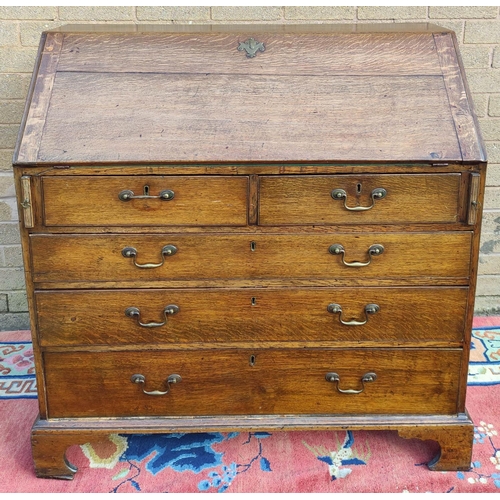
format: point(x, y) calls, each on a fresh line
point(11, 111)
point(493, 175)
point(9, 233)
point(17, 301)
point(392, 12)
point(12, 202)
point(69, 13)
point(11, 322)
point(5, 211)
point(494, 105)
point(8, 136)
point(17, 60)
point(28, 12)
point(12, 279)
point(475, 57)
point(490, 243)
point(173, 13)
point(487, 305)
point(488, 265)
point(14, 86)
point(491, 221)
point(13, 255)
point(3, 303)
point(9, 33)
point(490, 127)
point(496, 58)
point(484, 81)
point(488, 285)
point(325, 12)
point(6, 159)
point(463, 12)
point(7, 185)
point(246, 13)
point(480, 102)
point(31, 31)
point(492, 198)
point(482, 32)
point(493, 152)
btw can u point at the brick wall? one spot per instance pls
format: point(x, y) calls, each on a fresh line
point(477, 28)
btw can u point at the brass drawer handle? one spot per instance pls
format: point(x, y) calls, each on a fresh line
point(373, 251)
point(367, 377)
point(377, 194)
point(166, 251)
point(141, 379)
point(134, 312)
point(369, 309)
point(127, 195)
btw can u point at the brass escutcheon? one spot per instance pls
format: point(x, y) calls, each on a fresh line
point(251, 47)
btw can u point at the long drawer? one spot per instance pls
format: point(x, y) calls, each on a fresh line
point(107, 258)
point(145, 201)
point(387, 316)
point(359, 199)
point(237, 382)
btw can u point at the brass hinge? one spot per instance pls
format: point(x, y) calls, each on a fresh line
point(474, 208)
point(26, 203)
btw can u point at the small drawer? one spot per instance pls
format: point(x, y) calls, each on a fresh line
point(370, 315)
point(167, 258)
point(145, 201)
point(252, 381)
point(359, 199)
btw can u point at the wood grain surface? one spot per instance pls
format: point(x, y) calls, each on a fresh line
point(197, 201)
point(409, 381)
point(419, 315)
point(98, 258)
point(228, 117)
point(308, 199)
point(285, 54)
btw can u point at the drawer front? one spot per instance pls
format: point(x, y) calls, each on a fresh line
point(136, 201)
point(237, 382)
point(100, 258)
point(376, 199)
point(390, 316)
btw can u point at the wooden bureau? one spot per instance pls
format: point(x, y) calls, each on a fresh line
point(250, 227)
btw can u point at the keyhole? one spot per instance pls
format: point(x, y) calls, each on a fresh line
point(146, 190)
point(253, 245)
point(358, 188)
point(254, 301)
point(252, 360)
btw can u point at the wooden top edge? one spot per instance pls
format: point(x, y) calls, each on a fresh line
point(264, 163)
point(326, 28)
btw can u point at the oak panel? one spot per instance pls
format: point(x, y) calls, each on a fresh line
point(98, 258)
point(235, 118)
point(410, 198)
point(93, 201)
point(406, 315)
point(231, 382)
point(313, 54)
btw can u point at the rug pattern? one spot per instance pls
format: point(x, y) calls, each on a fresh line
point(17, 372)
point(321, 461)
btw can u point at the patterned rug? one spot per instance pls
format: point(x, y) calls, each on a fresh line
point(248, 462)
